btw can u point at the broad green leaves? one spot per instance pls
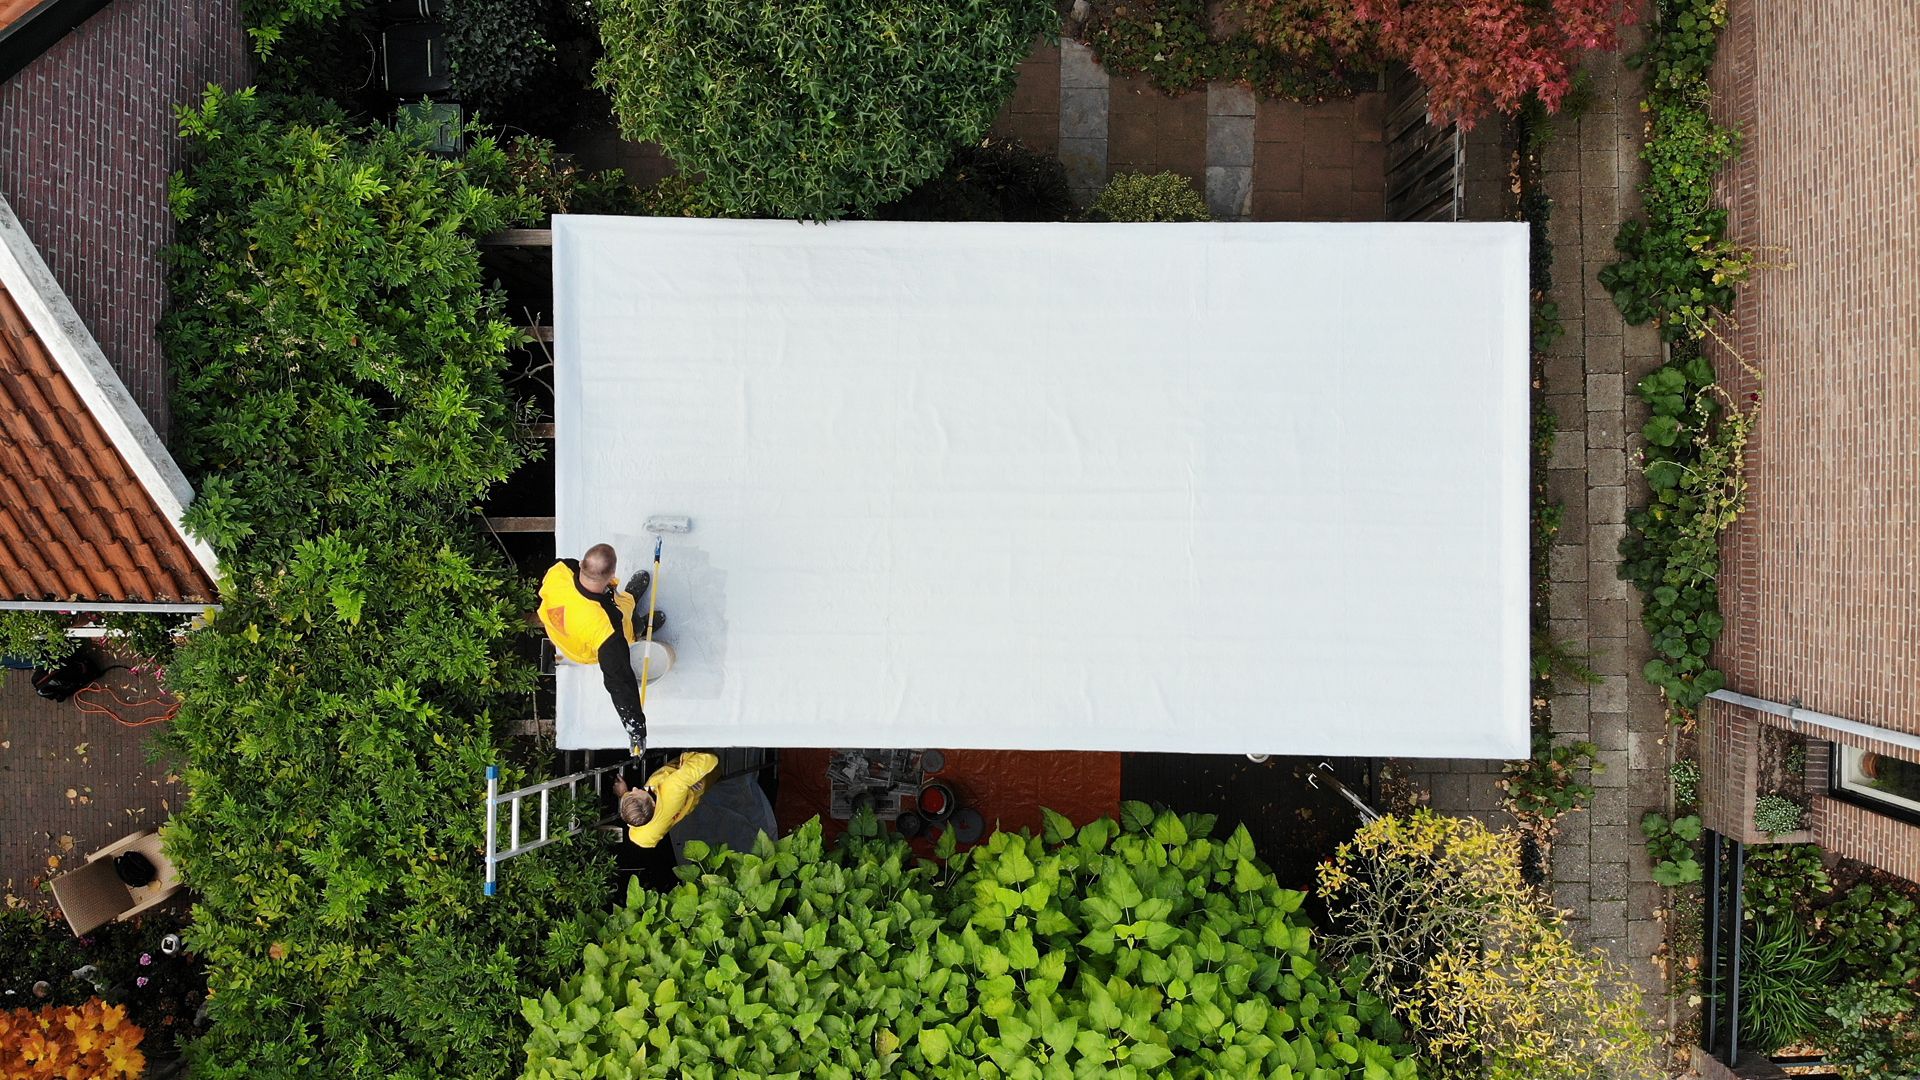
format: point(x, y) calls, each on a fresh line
point(813, 108)
point(1148, 950)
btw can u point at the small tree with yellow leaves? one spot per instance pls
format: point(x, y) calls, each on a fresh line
point(1472, 958)
point(92, 1040)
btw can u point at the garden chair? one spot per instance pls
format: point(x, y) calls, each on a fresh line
point(93, 895)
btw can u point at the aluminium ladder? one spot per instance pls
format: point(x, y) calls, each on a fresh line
point(547, 829)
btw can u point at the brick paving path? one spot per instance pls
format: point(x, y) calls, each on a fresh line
point(48, 749)
point(1255, 158)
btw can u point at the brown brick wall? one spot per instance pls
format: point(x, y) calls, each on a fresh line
point(1823, 572)
point(1821, 577)
point(1729, 747)
point(87, 139)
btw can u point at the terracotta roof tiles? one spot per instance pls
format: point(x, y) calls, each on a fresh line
point(75, 522)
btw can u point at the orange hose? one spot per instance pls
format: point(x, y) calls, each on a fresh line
point(93, 708)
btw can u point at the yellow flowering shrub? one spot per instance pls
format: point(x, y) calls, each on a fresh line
point(93, 1041)
point(1472, 958)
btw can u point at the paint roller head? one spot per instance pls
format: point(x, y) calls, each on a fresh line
point(668, 523)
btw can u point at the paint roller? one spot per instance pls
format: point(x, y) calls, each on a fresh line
point(661, 526)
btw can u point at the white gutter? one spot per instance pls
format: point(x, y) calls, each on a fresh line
point(72, 346)
point(1797, 717)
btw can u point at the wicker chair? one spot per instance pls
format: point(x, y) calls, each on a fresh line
point(93, 895)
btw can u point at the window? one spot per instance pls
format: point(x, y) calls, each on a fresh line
point(1887, 783)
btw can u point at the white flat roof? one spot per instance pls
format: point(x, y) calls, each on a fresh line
point(1207, 488)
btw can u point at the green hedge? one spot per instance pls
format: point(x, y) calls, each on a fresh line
point(340, 403)
point(1122, 950)
point(813, 108)
point(1678, 271)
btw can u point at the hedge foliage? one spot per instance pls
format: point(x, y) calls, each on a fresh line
point(1677, 270)
point(1124, 950)
point(341, 405)
point(813, 108)
point(1166, 196)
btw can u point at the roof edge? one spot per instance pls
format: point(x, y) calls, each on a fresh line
point(72, 345)
point(23, 40)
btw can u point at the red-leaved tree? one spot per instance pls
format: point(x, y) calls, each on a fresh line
point(1477, 56)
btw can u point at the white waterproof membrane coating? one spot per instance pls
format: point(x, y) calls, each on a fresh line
point(1205, 488)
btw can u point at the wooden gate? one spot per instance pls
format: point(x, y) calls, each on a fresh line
point(1426, 171)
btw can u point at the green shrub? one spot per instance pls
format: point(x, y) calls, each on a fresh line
point(1776, 814)
point(38, 637)
point(267, 21)
point(1783, 981)
point(340, 401)
point(1677, 270)
point(149, 636)
point(1877, 933)
point(1548, 784)
point(1166, 196)
point(1670, 847)
point(502, 58)
point(998, 180)
point(1785, 879)
point(1685, 775)
point(813, 108)
point(1874, 1034)
point(1142, 949)
point(1302, 50)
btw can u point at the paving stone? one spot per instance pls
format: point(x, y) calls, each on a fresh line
point(1614, 836)
point(1603, 572)
point(1083, 113)
point(1230, 190)
point(1569, 632)
point(1598, 169)
point(1610, 731)
point(1605, 467)
point(1607, 915)
point(1229, 99)
point(1608, 619)
point(1570, 711)
point(1609, 804)
point(1086, 164)
point(1278, 166)
point(1615, 776)
point(1603, 545)
point(1078, 67)
point(1642, 341)
point(1564, 374)
point(1567, 595)
point(1644, 936)
point(1567, 563)
point(1230, 142)
point(1606, 429)
point(1604, 392)
point(1644, 751)
point(1279, 121)
point(1569, 450)
point(1609, 696)
point(1643, 897)
point(1570, 895)
point(1605, 354)
point(1606, 505)
point(1607, 656)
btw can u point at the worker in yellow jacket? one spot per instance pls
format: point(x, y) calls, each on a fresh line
point(669, 796)
point(590, 623)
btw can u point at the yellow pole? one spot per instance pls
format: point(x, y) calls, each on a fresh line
point(646, 658)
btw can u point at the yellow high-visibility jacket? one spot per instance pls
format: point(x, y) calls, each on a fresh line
point(677, 787)
point(577, 623)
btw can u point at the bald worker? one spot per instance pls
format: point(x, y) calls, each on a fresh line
point(590, 622)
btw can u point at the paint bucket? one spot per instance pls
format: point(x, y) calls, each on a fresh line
point(660, 663)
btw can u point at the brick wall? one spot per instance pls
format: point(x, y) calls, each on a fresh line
point(1821, 577)
point(87, 139)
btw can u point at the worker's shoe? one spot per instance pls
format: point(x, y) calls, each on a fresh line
point(637, 584)
point(659, 620)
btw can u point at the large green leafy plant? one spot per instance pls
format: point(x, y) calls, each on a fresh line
point(341, 403)
point(813, 108)
point(1131, 949)
point(1678, 270)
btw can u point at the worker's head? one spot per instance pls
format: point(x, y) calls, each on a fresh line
point(636, 807)
point(597, 566)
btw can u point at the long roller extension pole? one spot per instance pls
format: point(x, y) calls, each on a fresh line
point(646, 658)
